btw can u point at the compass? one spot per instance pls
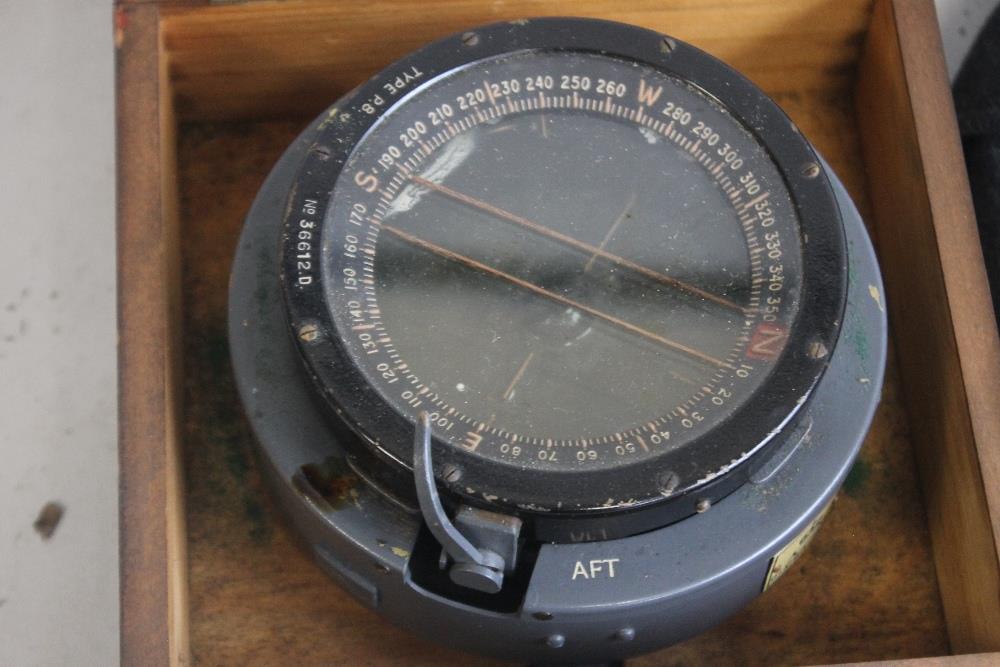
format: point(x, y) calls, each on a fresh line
point(549, 286)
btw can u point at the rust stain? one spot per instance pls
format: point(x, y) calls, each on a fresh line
point(332, 480)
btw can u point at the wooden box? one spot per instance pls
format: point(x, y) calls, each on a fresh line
point(208, 97)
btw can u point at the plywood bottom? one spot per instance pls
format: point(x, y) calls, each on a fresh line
point(866, 589)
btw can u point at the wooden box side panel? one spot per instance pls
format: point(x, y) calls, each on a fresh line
point(940, 307)
point(154, 608)
point(280, 60)
point(968, 660)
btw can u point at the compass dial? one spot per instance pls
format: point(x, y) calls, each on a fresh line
point(573, 261)
point(564, 258)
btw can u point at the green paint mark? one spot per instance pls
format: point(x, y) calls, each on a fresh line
point(265, 262)
point(861, 345)
point(852, 271)
point(260, 528)
point(225, 427)
point(221, 467)
point(856, 479)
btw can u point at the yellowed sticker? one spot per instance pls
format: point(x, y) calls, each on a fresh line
point(785, 558)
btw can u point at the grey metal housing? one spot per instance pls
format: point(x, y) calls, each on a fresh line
point(639, 593)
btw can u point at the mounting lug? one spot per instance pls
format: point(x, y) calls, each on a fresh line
point(484, 544)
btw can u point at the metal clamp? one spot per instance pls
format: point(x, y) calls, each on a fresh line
point(474, 567)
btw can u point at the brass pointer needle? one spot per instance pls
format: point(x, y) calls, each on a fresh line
point(509, 393)
point(531, 287)
point(576, 243)
point(611, 232)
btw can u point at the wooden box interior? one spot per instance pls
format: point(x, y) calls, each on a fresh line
point(209, 97)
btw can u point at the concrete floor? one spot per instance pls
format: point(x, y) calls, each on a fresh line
point(58, 595)
point(59, 566)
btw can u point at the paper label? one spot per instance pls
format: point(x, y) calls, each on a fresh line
point(785, 558)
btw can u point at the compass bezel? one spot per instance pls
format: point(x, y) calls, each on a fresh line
point(710, 467)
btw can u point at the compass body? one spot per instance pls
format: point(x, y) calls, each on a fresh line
point(533, 327)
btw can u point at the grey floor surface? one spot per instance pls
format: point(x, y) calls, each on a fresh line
point(58, 595)
point(58, 462)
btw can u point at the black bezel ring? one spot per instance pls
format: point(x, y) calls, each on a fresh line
point(709, 467)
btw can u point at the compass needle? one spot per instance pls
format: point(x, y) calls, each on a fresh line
point(611, 231)
point(595, 251)
point(531, 287)
point(508, 393)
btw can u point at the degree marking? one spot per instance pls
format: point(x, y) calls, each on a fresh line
point(756, 200)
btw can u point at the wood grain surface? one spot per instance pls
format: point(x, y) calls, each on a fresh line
point(152, 536)
point(940, 307)
point(261, 59)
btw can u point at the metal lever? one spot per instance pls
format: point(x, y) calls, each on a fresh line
point(480, 569)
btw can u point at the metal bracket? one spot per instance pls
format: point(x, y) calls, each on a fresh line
point(474, 567)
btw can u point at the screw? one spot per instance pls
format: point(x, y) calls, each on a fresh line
point(308, 333)
point(668, 482)
point(555, 641)
point(703, 506)
point(322, 152)
point(625, 634)
point(817, 350)
point(810, 170)
point(451, 473)
point(470, 39)
point(667, 45)
point(542, 615)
